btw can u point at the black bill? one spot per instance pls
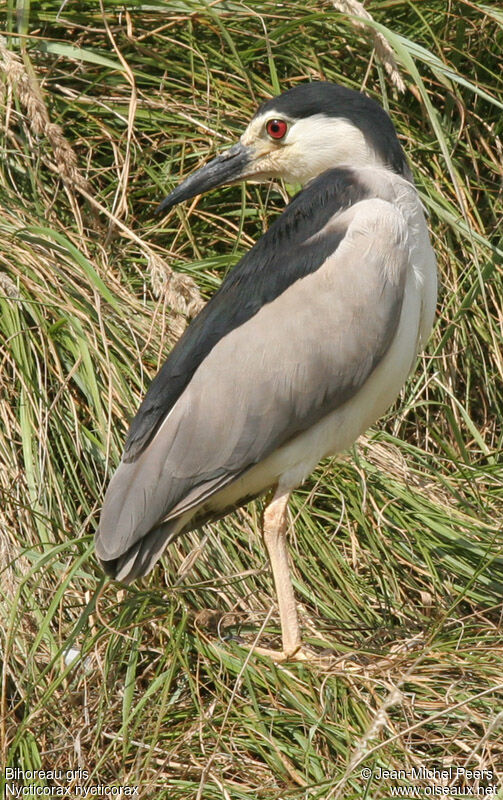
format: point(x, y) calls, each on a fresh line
point(229, 167)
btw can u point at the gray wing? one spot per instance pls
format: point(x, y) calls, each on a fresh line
point(294, 361)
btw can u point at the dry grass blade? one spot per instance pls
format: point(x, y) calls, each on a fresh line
point(384, 52)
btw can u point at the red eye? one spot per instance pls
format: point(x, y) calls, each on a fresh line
point(276, 128)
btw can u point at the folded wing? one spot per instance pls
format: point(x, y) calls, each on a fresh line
point(296, 359)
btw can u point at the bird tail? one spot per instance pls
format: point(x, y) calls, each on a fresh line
point(142, 555)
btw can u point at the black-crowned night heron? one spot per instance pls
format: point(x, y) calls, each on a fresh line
point(307, 342)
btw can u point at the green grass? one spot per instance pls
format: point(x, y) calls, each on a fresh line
point(397, 548)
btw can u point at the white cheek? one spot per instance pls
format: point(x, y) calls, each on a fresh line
point(318, 143)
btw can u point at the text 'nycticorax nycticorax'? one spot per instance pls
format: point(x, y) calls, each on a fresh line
point(307, 342)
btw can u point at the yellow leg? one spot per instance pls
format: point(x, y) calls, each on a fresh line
point(274, 532)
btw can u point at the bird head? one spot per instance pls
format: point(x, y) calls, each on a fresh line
point(297, 136)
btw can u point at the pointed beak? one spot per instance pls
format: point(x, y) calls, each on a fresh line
point(229, 167)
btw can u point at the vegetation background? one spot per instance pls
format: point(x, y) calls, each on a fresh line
point(397, 551)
